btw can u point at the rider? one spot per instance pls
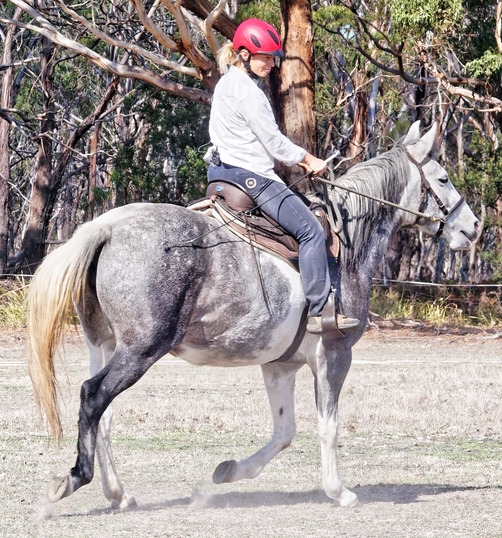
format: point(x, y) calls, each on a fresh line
point(245, 141)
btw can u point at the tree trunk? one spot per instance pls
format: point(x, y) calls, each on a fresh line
point(39, 214)
point(372, 110)
point(359, 133)
point(6, 103)
point(92, 210)
point(460, 148)
point(46, 187)
point(293, 92)
point(407, 247)
point(438, 272)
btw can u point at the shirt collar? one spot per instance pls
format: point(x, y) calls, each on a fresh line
point(238, 72)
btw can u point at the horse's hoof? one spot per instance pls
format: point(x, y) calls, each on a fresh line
point(348, 499)
point(223, 473)
point(127, 503)
point(59, 487)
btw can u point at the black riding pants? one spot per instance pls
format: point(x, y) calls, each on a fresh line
point(287, 208)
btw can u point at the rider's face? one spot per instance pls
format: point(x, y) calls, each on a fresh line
point(260, 64)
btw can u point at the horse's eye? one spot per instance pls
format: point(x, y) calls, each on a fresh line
point(443, 179)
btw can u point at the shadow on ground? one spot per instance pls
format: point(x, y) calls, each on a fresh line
point(372, 493)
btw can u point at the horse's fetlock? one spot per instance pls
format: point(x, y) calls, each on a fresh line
point(81, 476)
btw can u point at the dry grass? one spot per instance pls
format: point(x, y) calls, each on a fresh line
point(13, 302)
point(420, 443)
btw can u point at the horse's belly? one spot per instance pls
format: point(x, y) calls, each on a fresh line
point(242, 344)
point(218, 357)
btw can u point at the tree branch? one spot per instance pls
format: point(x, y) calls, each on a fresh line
point(203, 8)
point(498, 25)
point(129, 71)
point(450, 84)
point(155, 58)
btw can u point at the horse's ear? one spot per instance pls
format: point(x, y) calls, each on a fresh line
point(413, 134)
point(424, 146)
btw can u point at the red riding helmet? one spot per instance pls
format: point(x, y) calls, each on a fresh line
point(258, 37)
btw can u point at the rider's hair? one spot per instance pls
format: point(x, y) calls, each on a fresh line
point(226, 57)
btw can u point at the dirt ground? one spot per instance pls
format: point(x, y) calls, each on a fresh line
point(420, 443)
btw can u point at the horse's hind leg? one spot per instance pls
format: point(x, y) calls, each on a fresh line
point(112, 486)
point(280, 384)
point(125, 368)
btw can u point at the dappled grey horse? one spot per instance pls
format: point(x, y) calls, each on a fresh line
point(151, 279)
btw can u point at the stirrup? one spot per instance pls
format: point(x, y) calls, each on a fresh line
point(331, 321)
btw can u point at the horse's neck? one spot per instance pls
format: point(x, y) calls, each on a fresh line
point(371, 253)
point(371, 225)
point(359, 265)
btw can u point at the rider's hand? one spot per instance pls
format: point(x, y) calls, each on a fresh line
point(313, 164)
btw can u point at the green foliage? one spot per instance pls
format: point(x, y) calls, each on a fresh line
point(485, 66)
point(164, 164)
point(414, 18)
point(478, 35)
point(483, 171)
point(266, 10)
point(493, 257)
point(73, 80)
point(192, 173)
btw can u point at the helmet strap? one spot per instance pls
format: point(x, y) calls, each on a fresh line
point(247, 65)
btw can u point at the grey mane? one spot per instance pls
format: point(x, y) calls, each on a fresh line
point(383, 177)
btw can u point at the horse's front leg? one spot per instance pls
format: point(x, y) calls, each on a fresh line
point(112, 486)
point(332, 366)
point(280, 384)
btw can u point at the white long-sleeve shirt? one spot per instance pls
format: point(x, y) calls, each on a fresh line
point(243, 128)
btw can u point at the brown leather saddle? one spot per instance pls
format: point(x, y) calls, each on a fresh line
point(231, 205)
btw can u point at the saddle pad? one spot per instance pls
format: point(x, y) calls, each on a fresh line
point(243, 226)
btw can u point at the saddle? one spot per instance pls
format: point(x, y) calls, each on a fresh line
point(231, 205)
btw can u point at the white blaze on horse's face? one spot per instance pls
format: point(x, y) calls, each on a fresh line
point(460, 224)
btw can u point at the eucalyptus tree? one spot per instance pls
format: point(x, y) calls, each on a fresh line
point(169, 45)
point(381, 64)
point(6, 99)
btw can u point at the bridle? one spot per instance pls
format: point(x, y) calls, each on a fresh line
point(426, 188)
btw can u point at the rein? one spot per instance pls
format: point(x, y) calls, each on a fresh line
point(426, 187)
point(381, 200)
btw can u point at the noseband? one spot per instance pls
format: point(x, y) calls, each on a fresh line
point(426, 188)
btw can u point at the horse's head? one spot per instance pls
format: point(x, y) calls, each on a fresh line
point(440, 199)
